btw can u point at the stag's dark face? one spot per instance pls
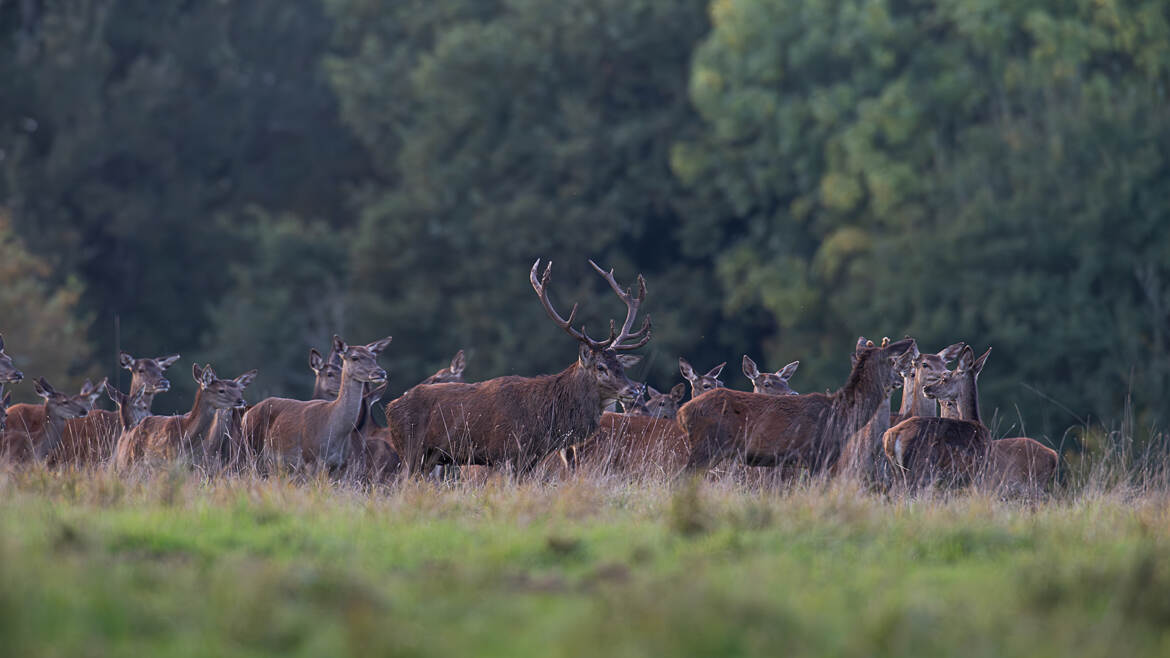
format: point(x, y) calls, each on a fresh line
point(149, 374)
point(608, 369)
point(881, 364)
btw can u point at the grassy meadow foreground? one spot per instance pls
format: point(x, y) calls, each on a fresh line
point(178, 565)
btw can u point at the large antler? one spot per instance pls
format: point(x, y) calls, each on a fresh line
point(633, 303)
point(615, 340)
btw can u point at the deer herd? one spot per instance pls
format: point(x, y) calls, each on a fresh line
point(548, 424)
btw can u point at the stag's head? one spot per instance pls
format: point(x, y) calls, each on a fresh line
point(603, 359)
point(148, 373)
point(451, 374)
point(131, 408)
point(361, 361)
point(770, 383)
point(328, 372)
point(8, 371)
point(222, 393)
point(62, 406)
point(950, 385)
point(700, 384)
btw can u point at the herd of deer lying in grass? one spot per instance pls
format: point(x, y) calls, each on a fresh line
point(548, 423)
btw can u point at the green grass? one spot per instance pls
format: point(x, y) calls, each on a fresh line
point(91, 565)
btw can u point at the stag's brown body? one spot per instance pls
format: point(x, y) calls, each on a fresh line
point(507, 419)
point(807, 430)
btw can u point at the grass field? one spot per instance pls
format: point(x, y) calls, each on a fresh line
point(176, 565)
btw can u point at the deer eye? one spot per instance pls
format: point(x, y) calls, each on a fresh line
point(601, 367)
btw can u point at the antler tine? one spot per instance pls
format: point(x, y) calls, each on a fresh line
point(633, 303)
point(541, 288)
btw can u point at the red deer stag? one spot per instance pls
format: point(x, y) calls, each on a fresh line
point(521, 419)
point(926, 450)
point(803, 430)
point(160, 439)
point(317, 432)
point(1016, 466)
point(21, 444)
point(700, 384)
point(770, 383)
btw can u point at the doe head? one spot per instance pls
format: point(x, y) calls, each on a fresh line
point(222, 393)
point(361, 361)
point(700, 384)
point(148, 373)
point(61, 405)
point(951, 384)
point(8, 370)
point(770, 383)
point(665, 405)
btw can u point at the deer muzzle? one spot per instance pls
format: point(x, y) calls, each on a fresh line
point(161, 387)
point(16, 376)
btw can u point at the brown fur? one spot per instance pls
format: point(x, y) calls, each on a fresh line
point(291, 434)
point(160, 439)
point(630, 443)
point(23, 444)
point(507, 419)
point(948, 451)
point(807, 430)
point(1019, 466)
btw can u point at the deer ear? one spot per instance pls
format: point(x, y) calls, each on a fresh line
point(316, 361)
point(861, 342)
point(126, 360)
point(377, 346)
point(339, 346)
point(208, 377)
point(585, 355)
point(458, 363)
point(43, 388)
point(246, 378)
point(950, 353)
point(981, 361)
point(96, 391)
point(167, 361)
point(116, 396)
point(714, 372)
point(687, 371)
point(966, 359)
point(788, 371)
point(197, 372)
point(678, 392)
point(86, 389)
point(750, 370)
point(628, 360)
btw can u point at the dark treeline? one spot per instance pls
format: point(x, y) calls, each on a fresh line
point(237, 181)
